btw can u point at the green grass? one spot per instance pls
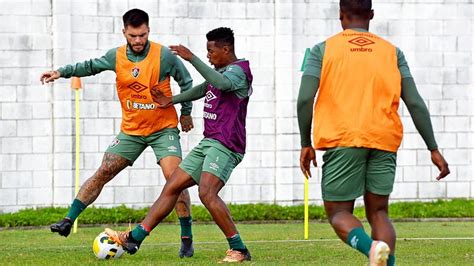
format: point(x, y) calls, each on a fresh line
point(270, 244)
point(246, 212)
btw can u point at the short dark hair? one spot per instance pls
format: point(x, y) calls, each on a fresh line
point(222, 36)
point(359, 8)
point(135, 18)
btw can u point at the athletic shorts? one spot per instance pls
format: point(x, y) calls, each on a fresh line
point(212, 157)
point(164, 143)
point(349, 172)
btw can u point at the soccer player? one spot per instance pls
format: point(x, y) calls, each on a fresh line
point(140, 66)
point(210, 163)
point(361, 78)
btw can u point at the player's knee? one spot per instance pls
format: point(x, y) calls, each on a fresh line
point(104, 174)
point(375, 213)
point(205, 195)
point(173, 186)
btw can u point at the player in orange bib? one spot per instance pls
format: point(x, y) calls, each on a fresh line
point(140, 66)
point(361, 78)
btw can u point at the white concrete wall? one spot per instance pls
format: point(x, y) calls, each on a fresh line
point(37, 122)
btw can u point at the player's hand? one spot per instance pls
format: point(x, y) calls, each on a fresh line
point(441, 163)
point(182, 51)
point(186, 123)
point(49, 76)
point(306, 156)
point(162, 100)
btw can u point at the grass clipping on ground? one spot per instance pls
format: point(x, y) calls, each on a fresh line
point(458, 208)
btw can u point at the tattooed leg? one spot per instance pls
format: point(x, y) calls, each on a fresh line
point(111, 165)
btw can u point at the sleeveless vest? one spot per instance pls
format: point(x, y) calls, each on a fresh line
point(140, 115)
point(225, 114)
point(359, 94)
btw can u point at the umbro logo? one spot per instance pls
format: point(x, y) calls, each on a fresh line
point(361, 41)
point(210, 96)
point(137, 86)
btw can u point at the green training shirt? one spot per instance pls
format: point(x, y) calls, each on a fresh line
point(228, 78)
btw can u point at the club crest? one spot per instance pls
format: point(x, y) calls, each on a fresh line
point(135, 72)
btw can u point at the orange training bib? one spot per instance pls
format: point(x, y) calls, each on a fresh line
point(359, 94)
point(140, 115)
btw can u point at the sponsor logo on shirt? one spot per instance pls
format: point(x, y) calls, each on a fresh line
point(140, 106)
point(137, 86)
point(361, 42)
point(135, 71)
point(210, 96)
point(211, 116)
point(138, 96)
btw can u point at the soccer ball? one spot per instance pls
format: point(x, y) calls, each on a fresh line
point(105, 248)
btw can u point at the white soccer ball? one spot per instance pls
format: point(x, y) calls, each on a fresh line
point(105, 248)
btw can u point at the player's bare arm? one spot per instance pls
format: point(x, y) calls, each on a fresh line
point(162, 100)
point(441, 163)
point(182, 51)
point(49, 76)
point(306, 156)
point(186, 122)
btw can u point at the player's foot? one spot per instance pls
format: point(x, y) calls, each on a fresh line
point(187, 248)
point(62, 227)
point(379, 252)
point(124, 239)
point(236, 256)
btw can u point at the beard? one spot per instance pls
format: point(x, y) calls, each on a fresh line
point(134, 48)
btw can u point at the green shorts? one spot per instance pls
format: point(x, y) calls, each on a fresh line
point(164, 143)
point(349, 172)
point(213, 157)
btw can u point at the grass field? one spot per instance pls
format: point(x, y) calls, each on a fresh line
point(419, 243)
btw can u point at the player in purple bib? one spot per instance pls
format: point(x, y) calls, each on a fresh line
point(225, 113)
point(226, 89)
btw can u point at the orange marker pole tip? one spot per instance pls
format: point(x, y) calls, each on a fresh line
point(76, 83)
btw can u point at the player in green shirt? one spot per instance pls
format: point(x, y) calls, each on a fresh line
point(346, 168)
point(126, 148)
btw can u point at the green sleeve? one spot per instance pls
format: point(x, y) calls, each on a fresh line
point(192, 94)
point(240, 84)
point(212, 76)
point(90, 67)
point(172, 66)
point(403, 65)
point(232, 79)
point(419, 112)
point(308, 89)
point(314, 62)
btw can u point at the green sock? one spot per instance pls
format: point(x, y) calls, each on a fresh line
point(139, 233)
point(76, 208)
point(236, 243)
point(391, 260)
point(186, 230)
point(359, 240)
